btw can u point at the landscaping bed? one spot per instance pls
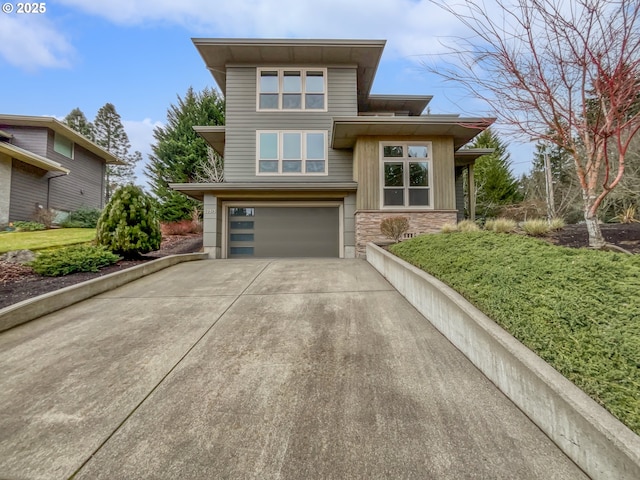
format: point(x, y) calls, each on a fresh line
point(578, 309)
point(19, 283)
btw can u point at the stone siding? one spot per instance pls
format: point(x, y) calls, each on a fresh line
point(368, 225)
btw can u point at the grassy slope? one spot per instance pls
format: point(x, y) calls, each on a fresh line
point(45, 239)
point(577, 309)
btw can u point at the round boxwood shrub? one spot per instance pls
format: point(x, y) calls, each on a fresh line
point(129, 225)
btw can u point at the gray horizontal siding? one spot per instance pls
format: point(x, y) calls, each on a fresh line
point(242, 121)
point(33, 139)
point(83, 187)
point(28, 189)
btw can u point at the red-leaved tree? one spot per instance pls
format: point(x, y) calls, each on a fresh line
point(564, 72)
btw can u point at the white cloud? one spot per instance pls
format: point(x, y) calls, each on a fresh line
point(411, 26)
point(31, 42)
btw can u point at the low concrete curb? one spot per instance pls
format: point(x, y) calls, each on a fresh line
point(33, 308)
point(596, 441)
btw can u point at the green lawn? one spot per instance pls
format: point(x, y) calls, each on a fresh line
point(45, 239)
point(577, 309)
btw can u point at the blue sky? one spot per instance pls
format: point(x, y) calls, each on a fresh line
point(138, 54)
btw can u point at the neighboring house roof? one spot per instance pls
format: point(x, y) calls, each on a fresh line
point(218, 53)
point(347, 129)
point(61, 128)
point(31, 158)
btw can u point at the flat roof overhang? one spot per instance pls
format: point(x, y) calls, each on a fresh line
point(467, 156)
point(266, 190)
point(346, 130)
point(218, 53)
point(215, 136)
point(61, 128)
point(412, 105)
point(32, 158)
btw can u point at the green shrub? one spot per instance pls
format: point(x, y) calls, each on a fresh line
point(63, 261)
point(501, 225)
point(468, 226)
point(28, 226)
point(84, 217)
point(536, 228)
point(129, 224)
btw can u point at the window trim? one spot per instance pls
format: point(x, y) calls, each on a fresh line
point(280, 71)
point(405, 160)
point(303, 157)
point(56, 138)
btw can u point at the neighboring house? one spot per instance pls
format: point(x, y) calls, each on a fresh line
point(45, 164)
point(313, 162)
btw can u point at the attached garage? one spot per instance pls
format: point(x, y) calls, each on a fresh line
point(283, 231)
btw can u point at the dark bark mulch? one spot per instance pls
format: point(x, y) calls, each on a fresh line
point(626, 236)
point(20, 283)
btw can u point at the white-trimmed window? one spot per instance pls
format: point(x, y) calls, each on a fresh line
point(292, 89)
point(406, 175)
point(288, 152)
point(62, 145)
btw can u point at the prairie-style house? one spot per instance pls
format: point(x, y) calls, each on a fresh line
point(44, 164)
point(313, 161)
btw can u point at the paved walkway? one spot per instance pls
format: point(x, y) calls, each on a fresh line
point(266, 369)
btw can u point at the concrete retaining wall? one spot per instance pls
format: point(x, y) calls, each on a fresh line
point(33, 308)
point(596, 441)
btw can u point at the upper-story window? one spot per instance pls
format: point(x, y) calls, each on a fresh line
point(406, 175)
point(288, 152)
point(292, 89)
point(62, 145)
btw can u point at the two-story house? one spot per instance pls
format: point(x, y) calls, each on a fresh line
point(313, 162)
point(46, 164)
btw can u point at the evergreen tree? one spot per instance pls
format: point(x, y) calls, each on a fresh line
point(179, 154)
point(110, 135)
point(78, 122)
point(495, 184)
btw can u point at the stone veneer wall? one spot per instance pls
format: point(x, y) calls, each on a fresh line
point(368, 225)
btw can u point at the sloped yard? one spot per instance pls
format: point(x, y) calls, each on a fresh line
point(577, 309)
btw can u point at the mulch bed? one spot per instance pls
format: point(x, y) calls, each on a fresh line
point(19, 283)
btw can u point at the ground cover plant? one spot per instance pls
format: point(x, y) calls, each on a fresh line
point(578, 309)
point(79, 258)
point(39, 240)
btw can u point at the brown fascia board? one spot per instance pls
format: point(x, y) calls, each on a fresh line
point(217, 53)
point(61, 128)
point(197, 190)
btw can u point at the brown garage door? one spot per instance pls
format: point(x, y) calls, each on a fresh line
point(284, 232)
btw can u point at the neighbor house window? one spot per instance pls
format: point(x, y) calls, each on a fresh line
point(291, 152)
point(62, 145)
point(406, 174)
point(292, 89)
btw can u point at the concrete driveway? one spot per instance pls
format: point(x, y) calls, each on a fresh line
point(233, 369)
